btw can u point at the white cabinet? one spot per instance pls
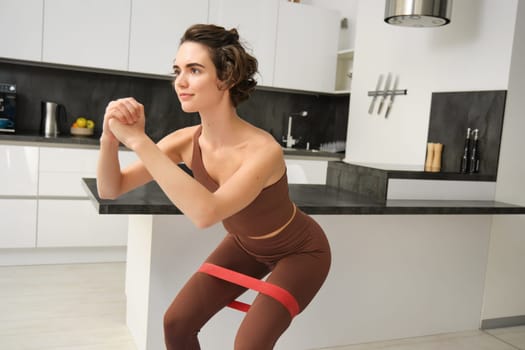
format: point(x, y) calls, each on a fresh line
point(18, 189)
point(345, 62)
point(312, 172)
point(62, 169)
point(66, 217)
point(75, 223)
point(21, 23)
point(156, 29)
point(92, 33)
point(19, 170)
point(306, 50)
point(256, 22)
point(18, 223)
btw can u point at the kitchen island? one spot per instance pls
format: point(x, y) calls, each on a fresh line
point(392, 276)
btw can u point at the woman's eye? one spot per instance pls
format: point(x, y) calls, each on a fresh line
point(175, 74)
point(195, 71)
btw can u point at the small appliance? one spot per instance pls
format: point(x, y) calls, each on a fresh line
point(52, 114)
point(7, 107)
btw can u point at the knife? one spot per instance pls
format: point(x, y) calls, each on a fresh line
point(378, 85)
point(391, 98)
point(385, 93)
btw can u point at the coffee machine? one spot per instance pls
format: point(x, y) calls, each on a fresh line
point(7, 107)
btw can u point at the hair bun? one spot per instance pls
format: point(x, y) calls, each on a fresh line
point(234, 35)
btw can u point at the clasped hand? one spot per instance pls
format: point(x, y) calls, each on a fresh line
point(124, 120)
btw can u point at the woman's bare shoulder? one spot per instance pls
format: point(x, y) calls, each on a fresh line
point(179, 143)
point(265, 143)
point(179, 136)
point(266, 138)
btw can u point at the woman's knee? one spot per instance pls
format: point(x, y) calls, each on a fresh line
point(179, 328)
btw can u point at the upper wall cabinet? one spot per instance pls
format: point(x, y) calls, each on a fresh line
point(256, 22)
point(92, 33)
point(21, 22)
point(156, 29)
point(306, 50)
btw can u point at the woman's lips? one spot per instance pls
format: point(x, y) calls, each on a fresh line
point(185, 97)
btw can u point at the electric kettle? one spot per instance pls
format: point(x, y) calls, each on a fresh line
point(51, 114)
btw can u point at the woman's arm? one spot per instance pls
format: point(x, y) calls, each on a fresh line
point(201, 206)
point(111, 180)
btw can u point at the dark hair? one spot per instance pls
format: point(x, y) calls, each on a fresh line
point(235, 67)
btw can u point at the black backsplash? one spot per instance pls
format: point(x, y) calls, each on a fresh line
point(86, 93)
point(450, 116)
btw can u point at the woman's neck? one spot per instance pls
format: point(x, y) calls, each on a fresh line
point(220, 126)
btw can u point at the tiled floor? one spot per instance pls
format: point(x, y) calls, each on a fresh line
point(472, 340)
point(82, 307)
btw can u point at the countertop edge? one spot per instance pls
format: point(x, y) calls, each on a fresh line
point(92, 142)
point(311, 199)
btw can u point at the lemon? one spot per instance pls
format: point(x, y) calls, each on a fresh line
point(90, 124)
point(81, 122)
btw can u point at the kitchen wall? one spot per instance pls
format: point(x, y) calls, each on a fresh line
point(505, 283)
point(86, 93)
point(471, 53)
point(483, 48)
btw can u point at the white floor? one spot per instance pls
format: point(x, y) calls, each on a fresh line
point(82, 307)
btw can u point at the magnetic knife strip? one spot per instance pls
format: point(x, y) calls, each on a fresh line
point(269, 289)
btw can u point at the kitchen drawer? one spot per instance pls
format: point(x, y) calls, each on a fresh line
point(63, 184)
point(68, 160)
point(19, 170)
point(75, 223)
point(62, 170)
point(18, 222)
point(76, 160)
point(311, 172)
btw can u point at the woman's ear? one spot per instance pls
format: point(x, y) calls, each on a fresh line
point(222, 85)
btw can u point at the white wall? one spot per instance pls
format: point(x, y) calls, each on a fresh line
point(505, 281)
point(471, 53)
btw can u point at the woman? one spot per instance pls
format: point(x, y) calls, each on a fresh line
point(239, 179)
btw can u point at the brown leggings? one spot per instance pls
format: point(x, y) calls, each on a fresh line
point(298, 259)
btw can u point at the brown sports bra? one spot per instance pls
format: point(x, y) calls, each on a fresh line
point(269, 211)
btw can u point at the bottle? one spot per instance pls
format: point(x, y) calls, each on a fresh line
point(474, 154)
point(465, 158)
point(430, 156)
point(436, 161)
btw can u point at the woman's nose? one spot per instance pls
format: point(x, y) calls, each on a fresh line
point(181, 80)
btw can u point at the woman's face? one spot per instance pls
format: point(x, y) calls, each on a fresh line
point(196, 81)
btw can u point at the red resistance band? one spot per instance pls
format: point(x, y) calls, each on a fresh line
point(272, 290)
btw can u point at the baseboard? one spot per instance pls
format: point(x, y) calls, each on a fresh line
point(501, 322)
point(46, 256)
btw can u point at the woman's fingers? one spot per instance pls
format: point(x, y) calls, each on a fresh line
point(126, 110)
point(131, 109)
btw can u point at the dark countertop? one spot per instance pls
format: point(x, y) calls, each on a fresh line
point(59, 141)
point(312, 199)
point(29, 139)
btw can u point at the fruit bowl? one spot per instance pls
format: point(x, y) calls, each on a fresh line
point(82, 131)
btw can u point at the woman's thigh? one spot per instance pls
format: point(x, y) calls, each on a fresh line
point(302, 274)
point(203, 295)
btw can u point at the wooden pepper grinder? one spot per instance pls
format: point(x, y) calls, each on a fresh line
point(436, 161)
point(430, 156)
